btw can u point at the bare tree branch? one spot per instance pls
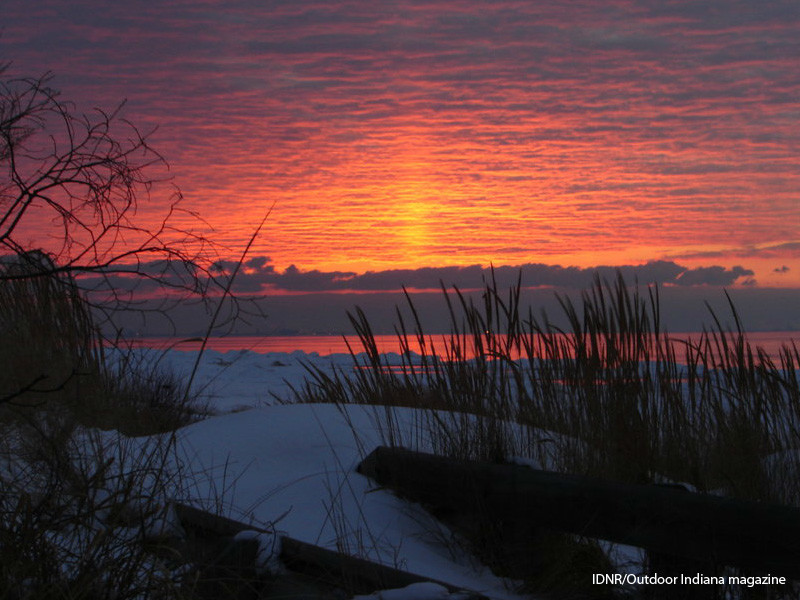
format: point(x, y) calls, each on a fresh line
point(74, 182)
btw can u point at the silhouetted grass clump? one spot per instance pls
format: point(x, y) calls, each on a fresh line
point(612, 394)
point(53, 359)
point(76, 502)
point(48, 345)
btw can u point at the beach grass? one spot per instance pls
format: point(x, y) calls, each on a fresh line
point(612, 394)
point(56, 361)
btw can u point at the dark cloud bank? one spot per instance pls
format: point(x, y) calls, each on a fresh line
point(258, 273)
point(316, 302)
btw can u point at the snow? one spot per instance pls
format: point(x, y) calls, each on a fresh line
point(285, 468)
point(291, 468)
point(268, 559)
point(415, 591)
point(240, 379)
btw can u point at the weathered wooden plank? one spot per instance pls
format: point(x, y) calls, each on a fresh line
point(723, 531)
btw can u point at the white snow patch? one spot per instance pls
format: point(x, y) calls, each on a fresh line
point(268, 559)
point(416, 591)
point(295, 464)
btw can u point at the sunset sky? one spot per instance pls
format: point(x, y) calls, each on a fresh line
point(399, 135)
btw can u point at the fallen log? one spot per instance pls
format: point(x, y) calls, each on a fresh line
point(355, 575)
point(708, 529)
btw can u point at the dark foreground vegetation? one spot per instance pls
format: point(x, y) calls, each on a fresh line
point(612, 396)
point(75, 492)
point(54, 360)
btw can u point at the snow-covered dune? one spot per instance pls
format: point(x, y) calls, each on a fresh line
point(294, 465)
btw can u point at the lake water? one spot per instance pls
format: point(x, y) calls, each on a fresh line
point(770, 341)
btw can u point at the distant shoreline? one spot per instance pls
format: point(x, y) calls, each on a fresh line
point(770, 341)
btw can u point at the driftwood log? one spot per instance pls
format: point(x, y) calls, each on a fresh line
point(755, 537)
point(337, 570)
